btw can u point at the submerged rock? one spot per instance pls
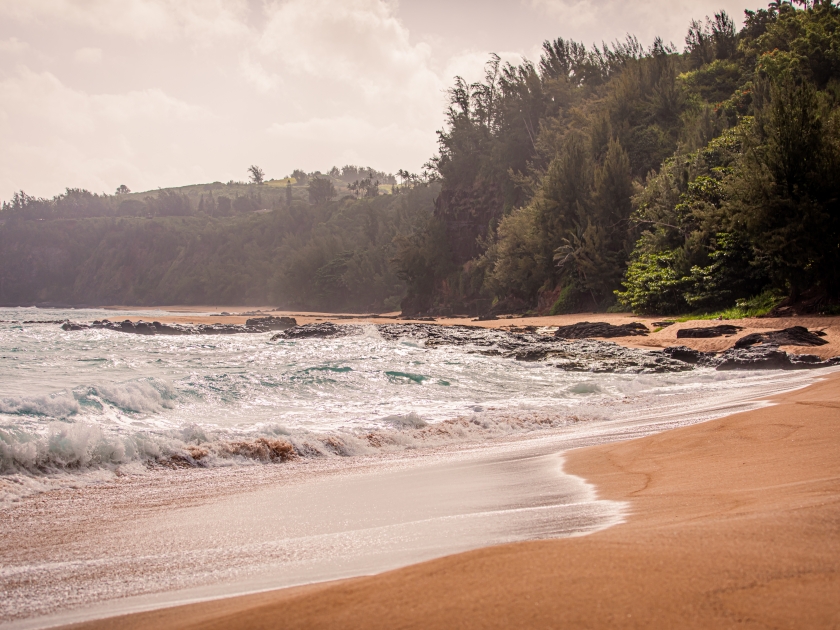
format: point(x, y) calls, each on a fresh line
point(271, 323)
point(316, 331)
point(793, 336)
point(707, 332)
point(587, 330)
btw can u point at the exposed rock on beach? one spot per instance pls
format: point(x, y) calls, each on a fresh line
point(578, 355)
point(793, 336)
point(724, 330)
point(587, 330)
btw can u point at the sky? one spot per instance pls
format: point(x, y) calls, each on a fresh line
point(158, 93)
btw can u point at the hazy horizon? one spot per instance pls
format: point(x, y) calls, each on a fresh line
point(157, 93)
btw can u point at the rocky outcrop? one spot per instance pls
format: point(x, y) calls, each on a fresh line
point(765, 357)
point(580, 355)
point(528, 345)
point(525, 344)
point(793, 336)
point(321, 330)
point(586, 330)
point(259, 325)
point(707, 332)
point(761, 357)
point(271, 323)
point(688, 355)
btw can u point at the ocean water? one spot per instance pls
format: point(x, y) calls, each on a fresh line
point(138, 472)
point(75, 401)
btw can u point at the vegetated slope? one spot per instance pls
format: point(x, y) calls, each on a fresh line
point(330, 254)
point(658, 180)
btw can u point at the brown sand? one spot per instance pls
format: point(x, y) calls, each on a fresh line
point(735, 522)
point(663, 338)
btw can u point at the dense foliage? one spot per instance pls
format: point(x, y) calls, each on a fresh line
point(664, 181)
point(325, 255)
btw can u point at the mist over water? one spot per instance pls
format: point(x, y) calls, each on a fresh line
point(98, 399)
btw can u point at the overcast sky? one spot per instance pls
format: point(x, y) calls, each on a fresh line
point(156, 93)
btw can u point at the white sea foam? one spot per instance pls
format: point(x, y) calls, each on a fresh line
point(72, 402)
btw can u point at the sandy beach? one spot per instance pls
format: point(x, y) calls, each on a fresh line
point(734, 522)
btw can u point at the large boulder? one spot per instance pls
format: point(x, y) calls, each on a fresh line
point(767, 357)
point(793, 336)
point(707, 332)
point(587, 330)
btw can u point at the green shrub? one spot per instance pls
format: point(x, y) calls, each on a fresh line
point(654, 285)
point(566, 302)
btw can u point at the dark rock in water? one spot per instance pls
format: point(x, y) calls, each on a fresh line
point(577, 355)
point(317, 331)
point(688, 355)
point(271, 323)
point(156, 328)
point(73, 326)
point(582, 355)
point(767, 357)
point(724, 330)
point(793, 336)
point(586, 330)
point(165, 329)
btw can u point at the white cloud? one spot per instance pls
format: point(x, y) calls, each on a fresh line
point(140, 19)
point(356, 52)
point(55, 136)
point(13, 46)
point(88, 55)
point(351, 140)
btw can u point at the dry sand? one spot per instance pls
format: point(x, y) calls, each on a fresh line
point(735, 523)
point(665, 337)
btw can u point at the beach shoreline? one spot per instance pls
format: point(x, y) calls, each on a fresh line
point(733, 522)
point(659, 337)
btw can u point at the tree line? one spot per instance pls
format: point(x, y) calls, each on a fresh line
point(657, 180)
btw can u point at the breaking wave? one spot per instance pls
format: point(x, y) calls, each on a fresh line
point(75, 405)
point(75, 446)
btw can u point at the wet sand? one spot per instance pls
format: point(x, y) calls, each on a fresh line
point(663, 338)
point(734, 523)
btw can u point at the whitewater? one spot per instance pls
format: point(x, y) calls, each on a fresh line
point(139, 471)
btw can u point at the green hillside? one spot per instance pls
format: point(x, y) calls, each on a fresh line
point(658, 180)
